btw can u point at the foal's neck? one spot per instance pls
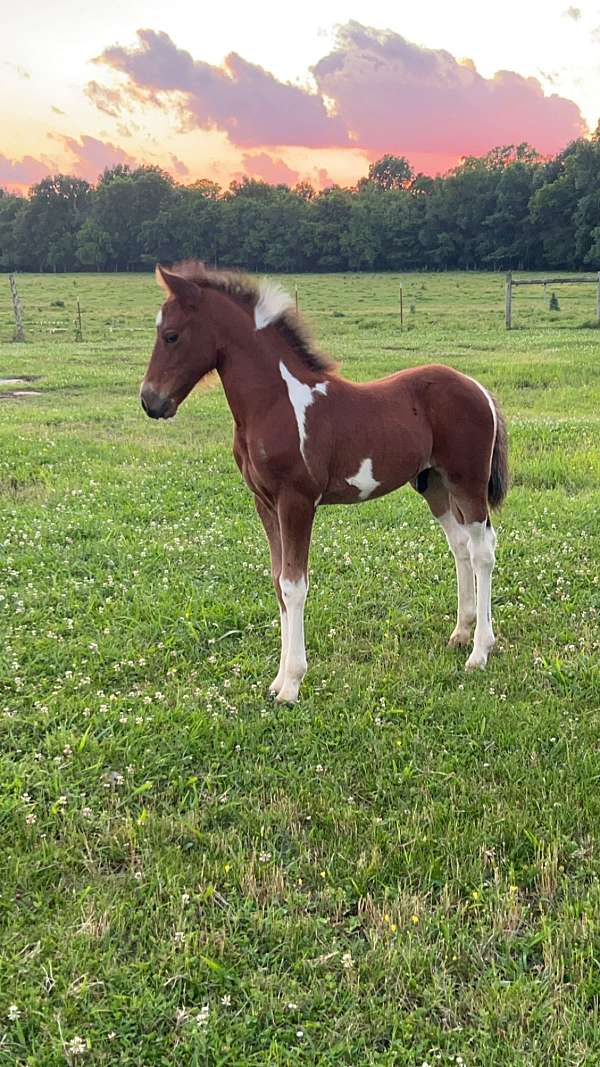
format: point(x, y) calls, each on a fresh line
point(248, 365)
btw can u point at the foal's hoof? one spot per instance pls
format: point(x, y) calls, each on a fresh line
point(459, 638)
point(275, 686)
point(288, 694)
point(477, 661)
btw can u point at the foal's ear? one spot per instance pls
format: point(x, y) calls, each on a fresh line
point(174, 285)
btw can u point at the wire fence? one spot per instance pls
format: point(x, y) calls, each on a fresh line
point(109, 308)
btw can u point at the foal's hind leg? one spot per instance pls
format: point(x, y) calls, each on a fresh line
point(458, 539)
point(438, 497)
point(482, 550)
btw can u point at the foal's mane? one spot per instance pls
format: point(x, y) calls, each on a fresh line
point(247, 292)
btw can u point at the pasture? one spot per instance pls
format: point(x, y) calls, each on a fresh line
point(401, 869)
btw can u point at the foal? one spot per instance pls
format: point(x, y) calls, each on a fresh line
point(304, 436)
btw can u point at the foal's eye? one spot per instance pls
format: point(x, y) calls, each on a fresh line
point(171, 337)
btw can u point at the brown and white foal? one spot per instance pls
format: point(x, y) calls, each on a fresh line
point(304, 437)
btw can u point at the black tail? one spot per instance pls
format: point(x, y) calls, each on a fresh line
point(498, 483)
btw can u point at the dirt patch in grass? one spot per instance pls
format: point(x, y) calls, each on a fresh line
point(19, 394)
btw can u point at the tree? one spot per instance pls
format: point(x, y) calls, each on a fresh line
point(187, 226)
point(126, 199)
point(10, 208)
point(390, 172)
point(46, 230)
point(94, 246)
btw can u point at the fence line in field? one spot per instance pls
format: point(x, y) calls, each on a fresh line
point(593, 279)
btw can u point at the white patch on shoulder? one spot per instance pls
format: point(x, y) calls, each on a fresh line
point(159, 317)
point(301, 397)
point(272, 302)
point(364, 480)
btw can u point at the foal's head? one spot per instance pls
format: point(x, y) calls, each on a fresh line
point(185, 349)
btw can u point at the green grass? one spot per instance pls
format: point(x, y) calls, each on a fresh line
point(403, 867)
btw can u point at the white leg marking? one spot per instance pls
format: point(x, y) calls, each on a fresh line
point(482, 546)
point(364, 480)
point(458, 540)
point(301, 397)
point(294, 598)
point(277, 682)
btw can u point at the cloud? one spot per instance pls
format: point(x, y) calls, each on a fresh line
point(21, 71)
point(572, 13)
point(25, 171)
point(110, 101)
point(178, 167)
point(271, 170)
point(246, 101)
point(396, 96)
point(377, 92)
point(91, 156)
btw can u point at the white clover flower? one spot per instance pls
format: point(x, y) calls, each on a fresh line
point(77, 1047)
point(203, 1016)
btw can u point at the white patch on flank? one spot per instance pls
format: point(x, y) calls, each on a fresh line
point(301, 397)
point(364, 480)
point(272, 302)
point(159, 317)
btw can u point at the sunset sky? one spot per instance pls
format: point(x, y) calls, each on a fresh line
point(288, 91)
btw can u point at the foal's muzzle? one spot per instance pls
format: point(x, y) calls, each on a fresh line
point(155, 405)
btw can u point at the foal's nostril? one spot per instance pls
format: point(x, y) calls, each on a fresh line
point(155, 405)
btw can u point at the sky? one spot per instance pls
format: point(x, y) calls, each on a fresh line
point(290, 92)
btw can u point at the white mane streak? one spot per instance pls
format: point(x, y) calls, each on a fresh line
point(272, 302)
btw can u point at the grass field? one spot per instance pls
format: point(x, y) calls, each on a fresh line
point(401, 869)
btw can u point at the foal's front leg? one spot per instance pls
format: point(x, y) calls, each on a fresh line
point(270, 521)
point(296, 516)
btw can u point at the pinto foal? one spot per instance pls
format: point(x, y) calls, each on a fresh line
point(305, 437)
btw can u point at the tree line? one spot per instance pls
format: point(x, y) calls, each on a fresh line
point(508, 209)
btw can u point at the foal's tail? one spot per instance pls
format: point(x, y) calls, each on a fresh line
point(498, 483)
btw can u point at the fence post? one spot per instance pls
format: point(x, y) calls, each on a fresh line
point(78, 326)
point(401, 308)
point(19, 334)
point(508, 301)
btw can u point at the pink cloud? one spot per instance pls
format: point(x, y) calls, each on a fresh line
point(91, 156)
point(271, 170)
point(251, 105)
point(396, 96)
point(384, 94)
point(22, 172)
point(178, 167)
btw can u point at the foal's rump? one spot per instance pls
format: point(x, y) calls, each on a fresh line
point(468, 432)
